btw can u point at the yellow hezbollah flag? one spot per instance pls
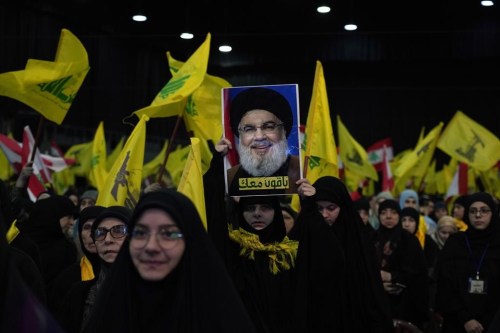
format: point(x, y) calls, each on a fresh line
point(171, 100)
point(111, 158)
point(153, 167)
point(416, 163)
point(50, 87)
point(191, 183)
point(176, 162)
point(98, 172)
point(469, 142)
point(203, 111)
point(353, 155)
point(319, 142)
point(123, 184)
point(82, 154)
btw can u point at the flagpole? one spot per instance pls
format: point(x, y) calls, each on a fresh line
point(306, 161)
point(169, 148)
point(37, 137)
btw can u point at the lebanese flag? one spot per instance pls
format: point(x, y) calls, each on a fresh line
point(12, 150)
point(387, 178)
point(458, 185)
point(376, 151)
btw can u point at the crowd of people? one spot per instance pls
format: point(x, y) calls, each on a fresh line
point(336, 264)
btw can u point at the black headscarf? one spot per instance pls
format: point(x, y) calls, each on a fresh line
point(275, 231)
point(481, 236)
point(43, 227)
point(90, 212)
point(413, 213)
point(336, 269)
point(197, 296)
point(262, 268)
point(459, 261)
point(20, 310)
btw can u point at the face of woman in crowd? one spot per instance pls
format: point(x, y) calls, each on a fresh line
point(87, 240)
point(66, 223)
point(458, 211)
point(445, 232)
point(258, 216)
point(409, 223)
point(109, 246)
point(329, 210)
point(389, 218)
point(289, 221)
point(479, 215)
point(156, 245)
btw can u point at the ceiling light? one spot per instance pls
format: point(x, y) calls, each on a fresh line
point(350, 27)
point(139, 17)
point(187, 35)
point(323, 9)
point(486, 3)
point(225, 48)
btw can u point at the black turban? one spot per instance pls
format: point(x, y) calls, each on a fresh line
point(262, 99)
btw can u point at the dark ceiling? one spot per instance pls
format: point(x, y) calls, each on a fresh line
point(410, 64)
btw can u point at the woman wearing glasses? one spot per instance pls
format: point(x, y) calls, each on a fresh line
point(168, 277)
point(109, 232)
point(468, 285)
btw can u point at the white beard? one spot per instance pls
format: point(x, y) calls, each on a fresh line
point(263, 165)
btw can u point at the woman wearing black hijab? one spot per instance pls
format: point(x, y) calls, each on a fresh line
point(20, 310)
point(85, 269)
point(168, 277)
point(80, 298)
point(338, 284)
point(262, 261)
point(468, 290)
point(402, 267)
point(45, 227)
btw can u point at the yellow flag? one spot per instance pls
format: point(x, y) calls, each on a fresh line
point(319, 143)
point(98, 171)
point(491, 181)
point(153, 167)
point(203, 113)
point(6, 170)
point(429, 182)
point(176, 162)
point(111, 159)
point(416, 163)
point(469, 142)
point(353, 155)
point(50, 87)
point(171, 100)
point(123, 184)
point(82, 154)
point(191, 183)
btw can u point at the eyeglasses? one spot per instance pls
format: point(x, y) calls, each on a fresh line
point(482, 211)
point(117, 231)
point(266, 128)
point(166, 237)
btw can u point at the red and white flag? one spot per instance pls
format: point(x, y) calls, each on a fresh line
point(458, 185)
point(12, 150)
point(387, 178)
point(375, 153)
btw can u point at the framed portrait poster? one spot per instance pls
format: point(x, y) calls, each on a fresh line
point(262, 123)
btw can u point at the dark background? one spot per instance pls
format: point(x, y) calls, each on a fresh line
point(410, 64)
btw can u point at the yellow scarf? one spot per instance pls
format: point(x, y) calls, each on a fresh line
point(281, 255)
point(12, 232)
point(86, 269)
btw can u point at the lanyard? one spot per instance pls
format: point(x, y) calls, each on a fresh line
point(478, 264)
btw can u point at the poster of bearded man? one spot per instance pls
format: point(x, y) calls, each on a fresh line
point(262, 123)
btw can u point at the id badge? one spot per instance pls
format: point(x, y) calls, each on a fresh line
point(477, 286)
